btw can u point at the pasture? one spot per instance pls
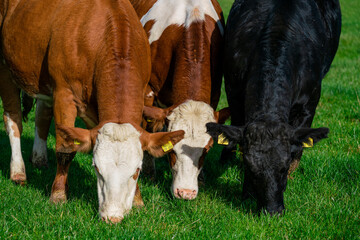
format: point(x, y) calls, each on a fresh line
point(322, 200)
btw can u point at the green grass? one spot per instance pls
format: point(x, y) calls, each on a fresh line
point(322, 201)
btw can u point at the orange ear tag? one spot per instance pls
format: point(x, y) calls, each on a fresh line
point(309, 143)
point(76, 142)
point(167, 147)
point(222, 140)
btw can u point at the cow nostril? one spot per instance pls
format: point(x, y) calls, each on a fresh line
point(280, 211)
point(187, 194)
point(177, 193)
point(112, 220)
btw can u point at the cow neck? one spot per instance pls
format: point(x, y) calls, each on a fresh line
point(190, 74)
point(120, 96)
point(7, 7)
point(268, 97)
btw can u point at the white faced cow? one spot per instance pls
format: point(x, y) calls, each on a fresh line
point(89, 59)
point(186, 44)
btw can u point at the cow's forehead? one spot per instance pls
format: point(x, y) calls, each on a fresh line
point(118, 132)
point(191, 116)
point(118, 144)
point(268, 131)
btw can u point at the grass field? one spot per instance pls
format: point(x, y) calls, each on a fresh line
point(322, 201)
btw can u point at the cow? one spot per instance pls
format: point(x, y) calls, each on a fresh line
point(186, 39)
point(89, 59)
point(276, 55)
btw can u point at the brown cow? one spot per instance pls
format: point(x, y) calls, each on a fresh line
point(186, 42)
point(88, 59)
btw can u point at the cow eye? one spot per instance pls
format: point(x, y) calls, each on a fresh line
point(136, 174)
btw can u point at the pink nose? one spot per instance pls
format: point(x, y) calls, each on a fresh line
point(187, 194)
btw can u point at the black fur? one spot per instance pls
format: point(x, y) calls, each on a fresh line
point(276, 55)
point(27, 103)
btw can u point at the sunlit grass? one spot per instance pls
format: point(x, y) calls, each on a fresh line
point(322, 201)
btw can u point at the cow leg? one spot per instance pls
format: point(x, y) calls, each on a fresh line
point(64, 114)
point(10, 96)
point(148, 167)
point(138, 202)
point(43, 118)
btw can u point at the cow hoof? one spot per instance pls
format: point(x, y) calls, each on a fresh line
point(39, 162)
point(58, 197)
point(19, 178)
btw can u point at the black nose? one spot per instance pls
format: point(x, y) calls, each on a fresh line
point(275, 211)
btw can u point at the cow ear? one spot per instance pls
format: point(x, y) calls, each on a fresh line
point(222, 115)
point(77, 139)
point(309, 136)
point(155, 117)
point(158, 144)
point(225, 135)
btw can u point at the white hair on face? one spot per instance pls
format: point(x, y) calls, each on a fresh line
point(117, 156)
point(178, 12)
point(119, 132)
point(191, 116)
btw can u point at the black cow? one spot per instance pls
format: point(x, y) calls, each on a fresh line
point(276, 54)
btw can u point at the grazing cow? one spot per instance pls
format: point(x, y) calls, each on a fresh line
point(89, 59)
point(186, 38)
point(277, 52)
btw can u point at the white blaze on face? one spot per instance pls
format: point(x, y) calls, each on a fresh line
point(191, 117)
point(17, 165)
point(178, 12)
point(117, 156)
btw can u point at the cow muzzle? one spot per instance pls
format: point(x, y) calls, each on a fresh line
point(187, 194)
point(275, 211)
point(112, 220)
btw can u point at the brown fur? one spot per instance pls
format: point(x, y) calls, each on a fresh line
point(185, 62)
point(185, 65)
point(153, 142)
point(91, 56)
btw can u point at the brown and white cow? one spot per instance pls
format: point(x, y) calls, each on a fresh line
point(186, 43)
point(89, 59)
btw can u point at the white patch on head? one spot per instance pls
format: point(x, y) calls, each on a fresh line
point(117, 156)
point(178, 12)
point(191, 117)
point(17, 165)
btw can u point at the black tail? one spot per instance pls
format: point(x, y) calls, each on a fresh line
point(27, 104)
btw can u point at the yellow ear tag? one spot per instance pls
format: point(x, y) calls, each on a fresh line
point(76, 142)
point(167, 147)
point(222, 140)
point(308, 144)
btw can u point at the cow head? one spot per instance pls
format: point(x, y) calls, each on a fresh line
point(117, 159)
point(187, 157)
point(268, 149)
